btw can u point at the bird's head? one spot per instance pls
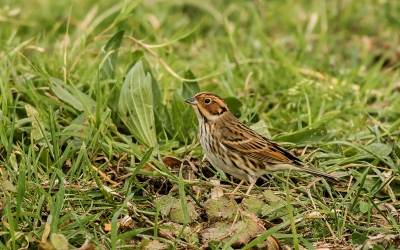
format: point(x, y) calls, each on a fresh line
point(208, 106)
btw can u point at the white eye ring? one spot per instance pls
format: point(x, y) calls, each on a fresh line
point(207, 101)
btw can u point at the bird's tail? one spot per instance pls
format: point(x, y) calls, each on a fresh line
point(318, 173)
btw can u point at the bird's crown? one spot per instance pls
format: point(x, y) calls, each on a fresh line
point(208, 105)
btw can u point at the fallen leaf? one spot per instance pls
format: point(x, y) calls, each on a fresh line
point(220, 209)
point(59, 241)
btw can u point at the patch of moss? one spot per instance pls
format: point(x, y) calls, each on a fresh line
point(253, 205)
point(176, 214)
point(220, 209)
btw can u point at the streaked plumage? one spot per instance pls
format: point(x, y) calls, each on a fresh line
point(236, 149)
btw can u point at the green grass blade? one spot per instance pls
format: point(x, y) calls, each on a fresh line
point(292, 221)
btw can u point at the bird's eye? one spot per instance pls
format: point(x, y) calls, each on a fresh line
point(207, 101)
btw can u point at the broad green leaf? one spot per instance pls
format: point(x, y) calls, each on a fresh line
point(364, 207)
point(234, 104)
point(358, 239)
point(70, 95)
point(184, 118)
point(190, 121)
point(161, 128)
point(261, 128)
point(61, 90)
point(59, 241)
point(136, 106)
point(379, 149)
point(316, 134)
point(110, 63)
point(157, 96)
point(135, 57)
point(178, 107)
point(397, 150)
point(189, 89)
point(162, 121)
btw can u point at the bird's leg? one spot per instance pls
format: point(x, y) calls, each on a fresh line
point(251, 186)
point(231, 196)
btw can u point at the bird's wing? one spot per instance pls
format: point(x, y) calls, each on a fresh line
point(245, 141)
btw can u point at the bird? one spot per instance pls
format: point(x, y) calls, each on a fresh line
point(238, 150)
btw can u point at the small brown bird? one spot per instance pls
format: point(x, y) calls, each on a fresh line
point(238, 150)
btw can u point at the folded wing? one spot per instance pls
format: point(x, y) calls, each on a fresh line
point(255, 146)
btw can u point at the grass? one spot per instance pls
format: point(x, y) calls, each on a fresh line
point(94, 127)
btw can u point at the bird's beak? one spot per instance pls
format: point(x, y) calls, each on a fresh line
point(192, 101)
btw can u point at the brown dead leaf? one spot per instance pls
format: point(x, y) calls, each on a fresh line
point(189, 169)
point(107, 227)
point(147, 167)
point(68, 163)
point(170, 161)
